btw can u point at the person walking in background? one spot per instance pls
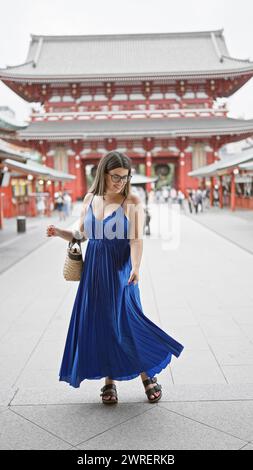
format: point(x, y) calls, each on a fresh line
point(207, 199)
point(204, 198)
point(59, 206)
point(195, 200)
point(216, 195)
point(173, 195)
point(67, 203)
point(41, 206)
point(199, 200)
point(147, 221)
point(158, 196)
point(181, 198)
point(165, 193)
point(189, 200)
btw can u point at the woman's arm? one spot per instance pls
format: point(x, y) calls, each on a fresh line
point(69, 234)
point(79, 233)
point(65, 234)
point(137, 218)
point(136, 252)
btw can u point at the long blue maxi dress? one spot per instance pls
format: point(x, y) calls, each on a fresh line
point(108, 334)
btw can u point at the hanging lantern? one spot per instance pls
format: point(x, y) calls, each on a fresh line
point(162, 169)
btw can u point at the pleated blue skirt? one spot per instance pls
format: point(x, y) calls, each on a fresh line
point(108, 334)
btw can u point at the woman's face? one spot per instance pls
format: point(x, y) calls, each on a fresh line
point(113, 182)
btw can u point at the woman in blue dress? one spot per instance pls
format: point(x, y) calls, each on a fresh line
point(109, 336)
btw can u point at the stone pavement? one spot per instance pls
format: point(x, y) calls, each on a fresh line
point(200, 293)
point(225, 223)
point(14, 246)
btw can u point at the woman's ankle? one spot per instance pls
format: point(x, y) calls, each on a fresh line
point(144, 376)
point(109, 381)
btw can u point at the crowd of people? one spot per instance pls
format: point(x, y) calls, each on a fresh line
point(63, 204)
point(197, 200)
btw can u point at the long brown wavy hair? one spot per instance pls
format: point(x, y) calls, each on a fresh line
point(109, 162)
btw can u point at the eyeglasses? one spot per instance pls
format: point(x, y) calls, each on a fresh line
point(117, 178)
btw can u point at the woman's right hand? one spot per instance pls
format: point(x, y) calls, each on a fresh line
point(52, 231)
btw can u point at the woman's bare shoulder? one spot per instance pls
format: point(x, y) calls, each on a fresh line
point(133, 199)
point(86, 202)
point(87, 198)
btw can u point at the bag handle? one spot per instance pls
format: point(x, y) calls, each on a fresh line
point(74, 240)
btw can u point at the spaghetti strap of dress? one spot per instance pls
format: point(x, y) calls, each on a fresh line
point(123, 201)
point(91, 201)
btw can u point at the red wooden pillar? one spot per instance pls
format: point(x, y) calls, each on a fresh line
point(220, 193)
point(176, 181)
point(50, 198)
point(45, 189)
point(84, 187)
point(52, 191)
point(181, 174)
point(8, 206)
point(78, 182)
point(182, 145)
point(211, 191)
point(75, 184)
point(1, 210)
point(33, 200)
point(76, 168)
point(232, 196)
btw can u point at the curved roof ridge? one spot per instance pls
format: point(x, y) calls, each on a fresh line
point(236, 58)
point(19, 65)
point(130, 35)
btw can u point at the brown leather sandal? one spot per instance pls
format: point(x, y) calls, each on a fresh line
point(151, 391)
point(109, 390)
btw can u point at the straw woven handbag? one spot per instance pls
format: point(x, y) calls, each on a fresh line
point(73, 265)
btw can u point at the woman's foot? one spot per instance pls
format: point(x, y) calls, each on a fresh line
point(110, 394)
point(147, 387)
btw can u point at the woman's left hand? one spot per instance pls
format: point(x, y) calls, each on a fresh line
point(134, 276)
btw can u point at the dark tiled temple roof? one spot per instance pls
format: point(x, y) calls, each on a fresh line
point(127, 56)
point(171, 127)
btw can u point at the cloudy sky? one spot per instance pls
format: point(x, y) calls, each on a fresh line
point(20, 18)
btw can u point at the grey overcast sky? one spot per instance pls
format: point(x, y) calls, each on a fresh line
point(20, 18)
